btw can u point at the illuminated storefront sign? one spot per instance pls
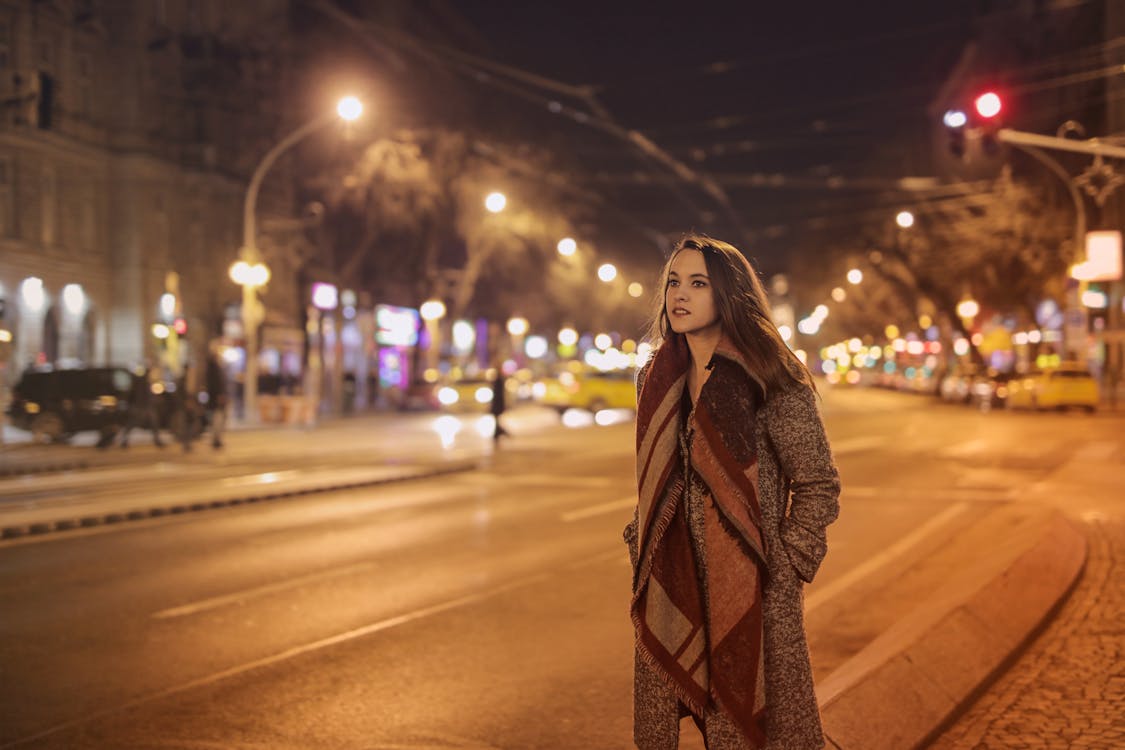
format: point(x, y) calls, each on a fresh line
point(396, 326)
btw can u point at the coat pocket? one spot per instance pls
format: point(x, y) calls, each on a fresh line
point(805, 549)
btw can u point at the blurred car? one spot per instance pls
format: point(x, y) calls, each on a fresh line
point(1068, 385)
point(593, 390)
point(989, 390)
point(956, 385)
point(465, 394)
point(53, 405)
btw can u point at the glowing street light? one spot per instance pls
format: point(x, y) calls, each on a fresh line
point(635, 289)
point(349, 108)
point(432, 311)
point(567, 246)
point(253, 312)
point(607, 272)
point(904, 219)
point(517, 329)
point(855, 276)
point(968, 308)
point(568, 337)
point(495, 202)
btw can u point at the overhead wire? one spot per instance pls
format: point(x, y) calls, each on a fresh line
point(486, 72)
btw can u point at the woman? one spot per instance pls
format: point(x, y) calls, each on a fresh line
point(736, 485)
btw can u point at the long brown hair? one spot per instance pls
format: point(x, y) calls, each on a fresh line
point(743, 310)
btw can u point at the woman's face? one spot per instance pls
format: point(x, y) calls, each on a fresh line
point(688, 298)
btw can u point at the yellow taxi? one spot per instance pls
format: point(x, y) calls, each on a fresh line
point(589, 389)
point(1069, 384)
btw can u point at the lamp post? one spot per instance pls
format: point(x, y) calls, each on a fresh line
point(432, 311)
point(517, 329)
point(249, 271)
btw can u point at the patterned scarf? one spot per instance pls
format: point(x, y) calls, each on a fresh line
point(713, 650)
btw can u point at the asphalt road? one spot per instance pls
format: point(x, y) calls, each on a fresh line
point(479, 610)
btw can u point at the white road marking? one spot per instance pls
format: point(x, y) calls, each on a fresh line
point(237, 596)
point(920, 493)
point(830, 590)
point(600, 508)
point(856, 444)
point(967, 448)
point(615, 554)
point(1099, 451)
point(344, 637)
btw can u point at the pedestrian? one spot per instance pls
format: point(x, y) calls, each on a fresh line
point(142, 407)
point(215, 383)
point(186, 407)
point(736, 485)
point(498, 405)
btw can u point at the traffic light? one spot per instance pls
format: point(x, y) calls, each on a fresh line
point(955, 121)
point(974, 133)
point(988, 106)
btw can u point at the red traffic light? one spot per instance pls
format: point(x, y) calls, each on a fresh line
point(179, 325)
point(988, 105)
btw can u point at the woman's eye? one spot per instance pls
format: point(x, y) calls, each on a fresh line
point(698, 283)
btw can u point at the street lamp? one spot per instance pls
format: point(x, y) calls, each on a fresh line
point(249, 271)
point(432, 311)
point(517, 329)
point(567, 246)
point(495, 202)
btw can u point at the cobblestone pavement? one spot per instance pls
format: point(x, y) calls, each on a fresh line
point(1068, 689)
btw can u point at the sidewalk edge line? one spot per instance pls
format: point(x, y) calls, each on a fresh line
point(69, 523)
point(901, 692)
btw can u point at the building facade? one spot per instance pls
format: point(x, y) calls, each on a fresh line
point(128, 130)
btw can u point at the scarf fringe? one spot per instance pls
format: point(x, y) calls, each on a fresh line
point(651, 661)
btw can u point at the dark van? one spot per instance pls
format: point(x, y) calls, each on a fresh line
point(55, 404)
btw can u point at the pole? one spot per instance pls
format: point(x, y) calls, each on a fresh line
point(1023, 144)
point(252, 309)
point(1092, 146)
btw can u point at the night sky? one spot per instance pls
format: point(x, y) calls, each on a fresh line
point(810, 90)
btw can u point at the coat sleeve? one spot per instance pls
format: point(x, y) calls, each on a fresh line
point(630, 532)
point(797, 434)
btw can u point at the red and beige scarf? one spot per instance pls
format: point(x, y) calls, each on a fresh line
point(710, 652)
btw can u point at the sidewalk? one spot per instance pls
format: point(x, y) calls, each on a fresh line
point(1023, 653)
point(52, 488)
point(1068, 689)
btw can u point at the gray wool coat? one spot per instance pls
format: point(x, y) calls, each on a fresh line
point(798, 489)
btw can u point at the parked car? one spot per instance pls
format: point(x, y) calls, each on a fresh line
point(593, 390)
point(55, 404)
point(1068, 385)
point(956, 385)
point(989, 390)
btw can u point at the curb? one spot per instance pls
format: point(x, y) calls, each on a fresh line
point(44, 468)
point(904, 687)
point(139, 514)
